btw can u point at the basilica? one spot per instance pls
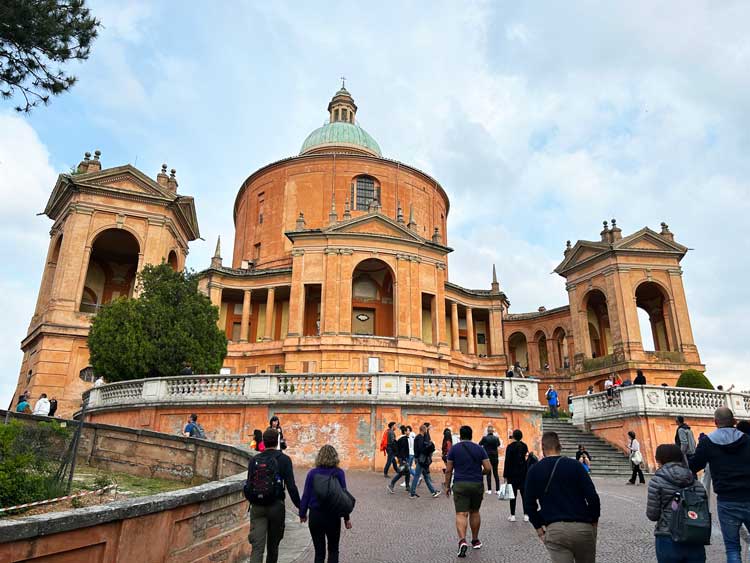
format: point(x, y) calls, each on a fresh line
point(340, 264)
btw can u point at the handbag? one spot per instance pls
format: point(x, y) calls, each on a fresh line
point(636, 457)
point(506, 492)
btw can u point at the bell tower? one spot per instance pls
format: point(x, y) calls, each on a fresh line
point(107, 224)
point(608, 281)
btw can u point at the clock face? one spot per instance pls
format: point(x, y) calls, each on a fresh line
point(363, 317)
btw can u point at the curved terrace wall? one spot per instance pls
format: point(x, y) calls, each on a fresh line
point(348, 411)
point(204, 522)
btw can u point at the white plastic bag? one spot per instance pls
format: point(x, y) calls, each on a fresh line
point(506, 492)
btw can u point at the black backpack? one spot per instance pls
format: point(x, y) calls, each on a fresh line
point(691, 518)
point(264, 484)
point(332, 497)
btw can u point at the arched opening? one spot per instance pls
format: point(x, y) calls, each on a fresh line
point(561, 348)
point(652, 303)
point(372, 299)
point(365, 191)
point(541, 344)
point(111, 270)
point(172, 260)
point(518, 349)
point(597, 315)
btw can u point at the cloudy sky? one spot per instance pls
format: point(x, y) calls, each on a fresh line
point(539, 120)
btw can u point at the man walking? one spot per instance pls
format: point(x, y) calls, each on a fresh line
point(402, 454)
point(491, 444)
point(727, 450)
point(684, 438)
point(390, 450)
point(268, 474)
point(469, 461)
point(552, 401)
point(423, 450)
point(562, 504)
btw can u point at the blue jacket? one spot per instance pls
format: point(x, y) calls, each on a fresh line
point(727, 451)
point(552, 398)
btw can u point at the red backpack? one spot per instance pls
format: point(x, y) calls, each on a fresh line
point(384, 442)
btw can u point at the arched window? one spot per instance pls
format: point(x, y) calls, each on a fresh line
point(561, 348)
point(597, 315)
point(87, 374)
point(652, 317)
point(365, 190)
point(111, 270)
point(541, 342)
point(172, 260)
point(372, 299)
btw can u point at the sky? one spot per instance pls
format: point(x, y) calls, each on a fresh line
point(540, 120)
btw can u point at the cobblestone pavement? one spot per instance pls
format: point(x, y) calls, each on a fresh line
point(393, 528)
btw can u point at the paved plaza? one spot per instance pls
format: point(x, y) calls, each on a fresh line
point(393, 529)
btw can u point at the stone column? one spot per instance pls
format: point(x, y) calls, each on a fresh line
point(552, 354)
point(297, 294)
point(245, 326)
point(454, 326)
point(497, 338)
point(471, 349)
point(270, 302)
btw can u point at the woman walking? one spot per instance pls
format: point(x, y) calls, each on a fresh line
point(446, 446)
point(276, 424)
point(671, 476)
point(324, 526)
point(636, 458)
point(514, 471)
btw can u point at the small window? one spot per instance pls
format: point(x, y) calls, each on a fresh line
point(261, 203)
point(87, 374)
point(256, 254)
point(366, 193)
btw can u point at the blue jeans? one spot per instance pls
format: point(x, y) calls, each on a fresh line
point(390, 460)
point(732, 515)
point(424, 472)
point(410, 462)
point(668, 551)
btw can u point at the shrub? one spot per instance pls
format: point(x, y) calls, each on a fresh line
point(30, 455)
point(694, 379)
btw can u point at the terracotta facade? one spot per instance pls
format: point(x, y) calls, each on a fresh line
point(340, 264)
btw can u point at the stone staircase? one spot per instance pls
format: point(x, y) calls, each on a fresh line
point(606, 460)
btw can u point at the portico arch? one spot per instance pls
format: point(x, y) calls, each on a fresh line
point(111, 269)
point(518, 349)
point(653, 303)
point(541, 343)
point(597, 323)
point(372, 299)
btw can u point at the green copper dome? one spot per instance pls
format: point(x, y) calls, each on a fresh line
point(341, 134)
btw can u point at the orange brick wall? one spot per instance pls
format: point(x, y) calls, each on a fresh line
point(354, 430)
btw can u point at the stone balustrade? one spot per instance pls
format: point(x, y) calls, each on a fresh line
point(651, 400)
point(385, 388)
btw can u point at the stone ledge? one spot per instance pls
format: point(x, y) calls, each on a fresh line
point(46, 524)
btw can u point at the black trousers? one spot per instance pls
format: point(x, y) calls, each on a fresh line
point(518, 492)
point(493, 463)
point(325, 527)
point(266, 530)
point(637, 472)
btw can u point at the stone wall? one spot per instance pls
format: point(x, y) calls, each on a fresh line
point(207, 522)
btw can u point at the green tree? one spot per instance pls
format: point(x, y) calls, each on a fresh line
point(36, 38)
point(170, 323)
point(694, 379)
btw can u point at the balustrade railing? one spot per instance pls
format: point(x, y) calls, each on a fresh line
point(356, 387)
point(645, 400)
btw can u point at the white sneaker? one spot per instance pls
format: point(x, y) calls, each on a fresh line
point(511, 518)
point(489, 492)
point(525, 518)
point(403, 484)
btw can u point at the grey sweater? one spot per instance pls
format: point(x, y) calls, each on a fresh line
point(668, 479)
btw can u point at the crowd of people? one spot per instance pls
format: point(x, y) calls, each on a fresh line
point(557, 495)
point(43, 406)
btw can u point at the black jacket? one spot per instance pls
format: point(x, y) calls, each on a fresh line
point(515, 466)
point(391, 442)
point(420, 455)
point(490, 443)
point(727, 451)
point(571, 497)
point(402, 448)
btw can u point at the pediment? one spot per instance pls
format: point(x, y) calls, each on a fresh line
point(126, 179)
point(648, 240)
point(374, 224)
point(582, 251)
